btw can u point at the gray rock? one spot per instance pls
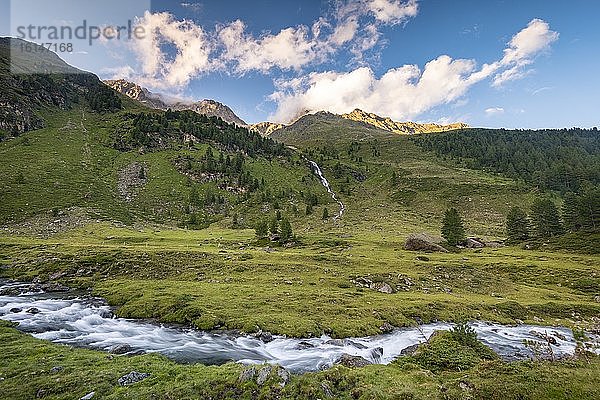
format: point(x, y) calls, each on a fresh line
point(353, 361)
point(354, 344)
point(377, 353)
point(382, 287)
point(16, 310)
point(264, 336)
point(132, 377)
point(545, 337)
point(475, 243)
point(326, 390)
point(121, 349)
point(304, 346)
point(247, 375)
point(335, 342)
point(284, 376)
point(386, 327)
point(422, 243)
point(33, 310)
point(88, 396)
point(56, 369)
point(54, 287)
point(263, 375)
point(410, 350)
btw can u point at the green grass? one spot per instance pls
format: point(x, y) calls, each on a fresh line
point(132, 254)
point(26, 371)
point(219, 277)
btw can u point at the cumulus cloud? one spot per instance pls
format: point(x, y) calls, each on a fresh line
point(523, 48)
point(191, 45)
point(492, 111)
point(353, 25)
point(291, 48)
point(385, 11)
point(400, 93)
point(407, 91)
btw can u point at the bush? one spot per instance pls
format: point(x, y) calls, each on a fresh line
point(457, 350)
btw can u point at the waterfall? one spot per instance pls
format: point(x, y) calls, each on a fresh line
point(325, 183)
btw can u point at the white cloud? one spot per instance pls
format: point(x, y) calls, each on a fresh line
point(385, 11)
point(352, 26)
point(523, 48)
point(492, 111)
point(400, 93)
point(192, 51)
point(356, 27)
point(291, 48)
point(407, 91)
point(392, 12)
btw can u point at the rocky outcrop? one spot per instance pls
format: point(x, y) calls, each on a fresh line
point(266, 128)
point(275, 373)
point(409, 128)
point(353, 361)
point(210, 108)
point(131, 179)
point(132, 377)
point(138, 93)
point(421, 242)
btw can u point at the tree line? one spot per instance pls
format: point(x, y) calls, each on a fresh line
point(153, 129)
point(580, 212)
point(565, 160)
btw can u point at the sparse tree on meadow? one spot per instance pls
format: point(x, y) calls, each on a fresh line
point(262, 229)
point(274, 226)
point(545, 218)
point(286, 230)
point(517, 225)
point(452, 227)
point(325, 213)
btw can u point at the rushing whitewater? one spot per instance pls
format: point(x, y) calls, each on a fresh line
point(89, 323)
point(327, 186)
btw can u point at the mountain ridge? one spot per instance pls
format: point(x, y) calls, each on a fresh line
point(407, 127)
point(208, 107)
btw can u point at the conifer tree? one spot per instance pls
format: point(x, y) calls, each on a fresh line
point(570, 212)
point(545, 218)
point(325, 213)
point(517, 225)
point(262, 229)
point(452, 227)
point(286, 230)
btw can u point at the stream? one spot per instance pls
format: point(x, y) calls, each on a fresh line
point(88, 322)
point(317, 170)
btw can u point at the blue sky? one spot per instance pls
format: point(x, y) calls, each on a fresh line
point(497, 63)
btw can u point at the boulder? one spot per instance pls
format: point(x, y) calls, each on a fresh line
point(304, 345)
point(474, 243)
point(386, 327)
point(263, 375)
point(423, 243)
point(266, 337)
point(382, 287)
point(132, 377)
point(353, 361)
point(410, 350)
point(88, 396)
point(247, 375)
point(377, 353)
point(121, 349)
point(33, 310)
point(15, 310)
